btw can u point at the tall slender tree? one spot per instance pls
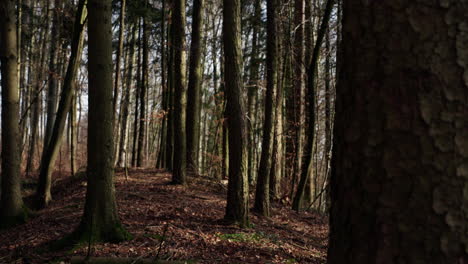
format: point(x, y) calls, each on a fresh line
point(11, 206)
point(51, 150)
point(262, 194)
point(194, 87)
point(52, 89)
point(238, 187)
point(400, 179)
point(180, 93)
point(309, 144)
point(123, 6)
point(124, 107)
point(143, 90)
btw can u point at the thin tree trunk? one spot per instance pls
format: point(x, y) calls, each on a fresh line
point(312, 71)
point(53, 74)
point(262, 194)
point(119, 53)
point(125, 105)
point(165, 102)
point(143, 90)
point(252, 91)
point(51, 151)
point(180, 150)
point(137, 99)
point(194, 87)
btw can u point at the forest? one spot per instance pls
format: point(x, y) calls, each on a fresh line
point(234, 131)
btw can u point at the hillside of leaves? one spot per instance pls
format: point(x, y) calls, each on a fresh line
point(168, 222)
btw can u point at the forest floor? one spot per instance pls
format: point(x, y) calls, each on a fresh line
point(169, 222)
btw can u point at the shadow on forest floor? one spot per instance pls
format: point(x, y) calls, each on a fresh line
point(187, 219)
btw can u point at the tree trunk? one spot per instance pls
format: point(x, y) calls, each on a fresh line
point(53, 74)
point(51, 151)
point(137, 98)
point(262, 194)
point(124, 109)
point(180, 150)
point(252, 91)
point(123, 4)
point(165, 93)
point(309, 145)
point(296, 106)
point(400, 177)
point(11, 206)
point(238, 187)
point(143, 90)
point(194, 87)
point(100, 221)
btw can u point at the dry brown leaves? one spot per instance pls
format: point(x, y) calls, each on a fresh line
point(170, 222)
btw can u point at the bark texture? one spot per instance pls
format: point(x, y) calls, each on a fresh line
point(194, 87)
point(262, 194)
point(100, 221)
point(180, 93)
point(238, 188)
point(400, 175)
point(52, 149)
point(11, 206)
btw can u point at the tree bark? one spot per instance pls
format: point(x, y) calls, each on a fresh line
point(11, 205)
point(100, 221)
point(53, 74)
point(312, 72)
point(124, 109)
point(143, 90)
point(194, 87)
point(123, 4)
point(400, 178)
point(252, 91)
point(262, 194)
point(238, 187)
point(49, 155)
point(180, 93)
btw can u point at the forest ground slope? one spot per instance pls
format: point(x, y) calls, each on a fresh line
point(171, 222)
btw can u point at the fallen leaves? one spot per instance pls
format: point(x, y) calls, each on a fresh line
point(172, 222)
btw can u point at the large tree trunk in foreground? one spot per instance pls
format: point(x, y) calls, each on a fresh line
point(11, 206)
point(400, 176)
point(100, 221)
point(238, 187)
point(51, 150)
